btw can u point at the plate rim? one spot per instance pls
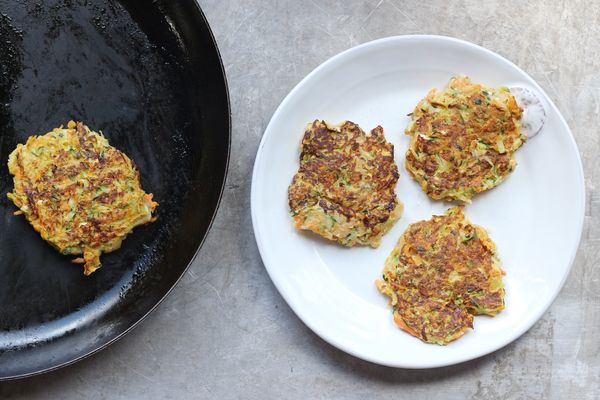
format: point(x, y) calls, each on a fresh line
point(296, 308)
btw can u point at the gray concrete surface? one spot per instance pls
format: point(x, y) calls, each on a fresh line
point(226, 333)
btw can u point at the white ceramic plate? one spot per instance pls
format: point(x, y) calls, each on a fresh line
point(535, 216)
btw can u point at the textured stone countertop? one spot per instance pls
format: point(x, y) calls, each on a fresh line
point(226, 333)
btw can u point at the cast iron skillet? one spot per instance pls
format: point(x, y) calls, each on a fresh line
point(149, 75)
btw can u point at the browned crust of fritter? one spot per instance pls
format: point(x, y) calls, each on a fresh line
point(349, 176)
point(441, 273)
point(83, 196)
point(461, 126)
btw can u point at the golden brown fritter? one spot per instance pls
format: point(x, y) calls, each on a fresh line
point(441, 273)
point(463, 139)
point(82, 195)
point(345, 187)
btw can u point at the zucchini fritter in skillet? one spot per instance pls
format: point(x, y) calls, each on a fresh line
point(82, 195)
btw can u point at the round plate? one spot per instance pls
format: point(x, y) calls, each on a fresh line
point(535, 216)
point(149, 76)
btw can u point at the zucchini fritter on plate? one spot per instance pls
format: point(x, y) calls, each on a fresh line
point(82, 195)
point(463, 139)
point(345, 187)
point(441, 273)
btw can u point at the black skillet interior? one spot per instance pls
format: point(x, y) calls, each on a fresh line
point(149, 76)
